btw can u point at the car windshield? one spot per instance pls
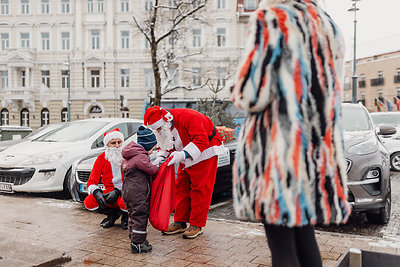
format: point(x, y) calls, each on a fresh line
point(386, 118)
point(75, 131)
point(355, 119)
point(43, 130)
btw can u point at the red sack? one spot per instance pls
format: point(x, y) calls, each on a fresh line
point(162, 201)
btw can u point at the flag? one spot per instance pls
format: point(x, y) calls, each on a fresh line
point(389, 105)
point(397, 102)
point(378, 104)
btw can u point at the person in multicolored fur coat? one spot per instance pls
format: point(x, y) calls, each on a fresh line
point(290, 171)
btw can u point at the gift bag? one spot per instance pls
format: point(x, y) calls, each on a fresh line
point(162, 201)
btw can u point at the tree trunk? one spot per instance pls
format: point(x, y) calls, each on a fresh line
point(157, 76)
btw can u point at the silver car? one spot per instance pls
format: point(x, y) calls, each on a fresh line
point(368, 165)
point(391, 139)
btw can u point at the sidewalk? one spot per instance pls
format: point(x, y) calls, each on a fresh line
point(40, 231)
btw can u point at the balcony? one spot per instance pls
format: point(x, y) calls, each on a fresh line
point(361, 84)
point(377, 81)
point(396, 78)
point(243, 10)
point(19, 93)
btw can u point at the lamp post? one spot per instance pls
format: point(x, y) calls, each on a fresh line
point(68, 63)
point(354, 78)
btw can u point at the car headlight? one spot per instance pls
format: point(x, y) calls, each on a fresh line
point(367, 147)
point(45, 159)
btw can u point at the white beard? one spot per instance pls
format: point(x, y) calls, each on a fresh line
point(165, 139)
point(114, 155)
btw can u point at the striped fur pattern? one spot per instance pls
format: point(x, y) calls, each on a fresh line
point(289, 168)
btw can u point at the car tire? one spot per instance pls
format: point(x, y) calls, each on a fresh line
point(395, 161)
point(69, 183)
point(383, 216)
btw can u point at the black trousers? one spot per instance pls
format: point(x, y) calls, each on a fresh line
point(293, 246)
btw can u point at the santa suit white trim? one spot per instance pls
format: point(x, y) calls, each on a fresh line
point(206, 154)
point(156, 125)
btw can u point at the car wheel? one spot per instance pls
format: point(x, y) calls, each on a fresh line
point(70, 186)
point(383, 216)
point(395, 161)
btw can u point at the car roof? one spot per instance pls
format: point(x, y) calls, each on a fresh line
point(111, 120)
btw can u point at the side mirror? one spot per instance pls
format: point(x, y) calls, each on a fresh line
point(386, 130)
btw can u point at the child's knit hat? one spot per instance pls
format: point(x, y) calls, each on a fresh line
point(146, 138)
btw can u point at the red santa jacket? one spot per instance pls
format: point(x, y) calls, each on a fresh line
point(191, 131)
point(102, 170)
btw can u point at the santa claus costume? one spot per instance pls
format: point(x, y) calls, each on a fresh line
point(197, 145)
point(107, 169)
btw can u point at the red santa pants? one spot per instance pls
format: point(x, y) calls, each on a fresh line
point(194, 187)
point(91, 203)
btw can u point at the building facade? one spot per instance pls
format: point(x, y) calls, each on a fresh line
point(89, 54)
point(378, 81)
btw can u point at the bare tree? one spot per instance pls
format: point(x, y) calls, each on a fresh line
point(163, 25)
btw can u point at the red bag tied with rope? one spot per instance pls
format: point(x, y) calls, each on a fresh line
point(162, 201)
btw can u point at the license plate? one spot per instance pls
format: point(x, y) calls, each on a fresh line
point(5, 187)
point(83, 187)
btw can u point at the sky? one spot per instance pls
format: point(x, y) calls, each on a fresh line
point(378, 27)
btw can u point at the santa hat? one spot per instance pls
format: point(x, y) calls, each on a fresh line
point(113, 134)
point(155, 117)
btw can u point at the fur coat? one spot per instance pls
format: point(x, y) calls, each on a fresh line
point(290, 168)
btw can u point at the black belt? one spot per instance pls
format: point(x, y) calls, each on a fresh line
point(214, 132)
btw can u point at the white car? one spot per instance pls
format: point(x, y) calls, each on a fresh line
point(44, 164)
point(391, 139)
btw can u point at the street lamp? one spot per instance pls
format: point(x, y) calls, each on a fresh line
point(354, 78)
point(68, 63)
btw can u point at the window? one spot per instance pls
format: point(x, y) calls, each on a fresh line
point(221, 37)
point(398, 71)
point(4, 79)
point(64, 115)
point(124, 39)
point(95, 78)
point(380, 75)
point(4, 7)
point(362, 77)
point(221, 77)
point(25, 117)
point(90, 6)
point(171, 3)
point(4, 116)
point(95, 39)
point(196, 37)
point(221, 4)
point(45, 41)
point(24, 40)
point(46, 77)
point(45, 117)
point(196, 76)
point(5, 41)
point(100, 6)
point(124, 5)
point(196, 4)
point(45, 7)
point(64, 79)
point(23, 78)
point(125, 113)
point(250, 4)
point(24, 6)
point(173, 76)
point(65, 40)
point(125, 78)
point(148, 5)
point(148, 78)
point(362, 96)
point(146, 44)
point(65, 6)
point(398, 91)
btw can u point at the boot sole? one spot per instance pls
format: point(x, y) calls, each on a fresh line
point(174, 232)
point(192, 236)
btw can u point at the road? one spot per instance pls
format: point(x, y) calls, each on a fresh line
point(221, 209)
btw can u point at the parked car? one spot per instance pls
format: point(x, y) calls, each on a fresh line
point(34, 134)
point(368, 165)
point(44, 164)
point(391, 139)
point(82, 167)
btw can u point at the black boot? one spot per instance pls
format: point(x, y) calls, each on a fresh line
point(112, 216)
point(140, 248)
point(124, 220)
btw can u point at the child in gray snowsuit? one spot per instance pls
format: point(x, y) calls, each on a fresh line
point(136, 187)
